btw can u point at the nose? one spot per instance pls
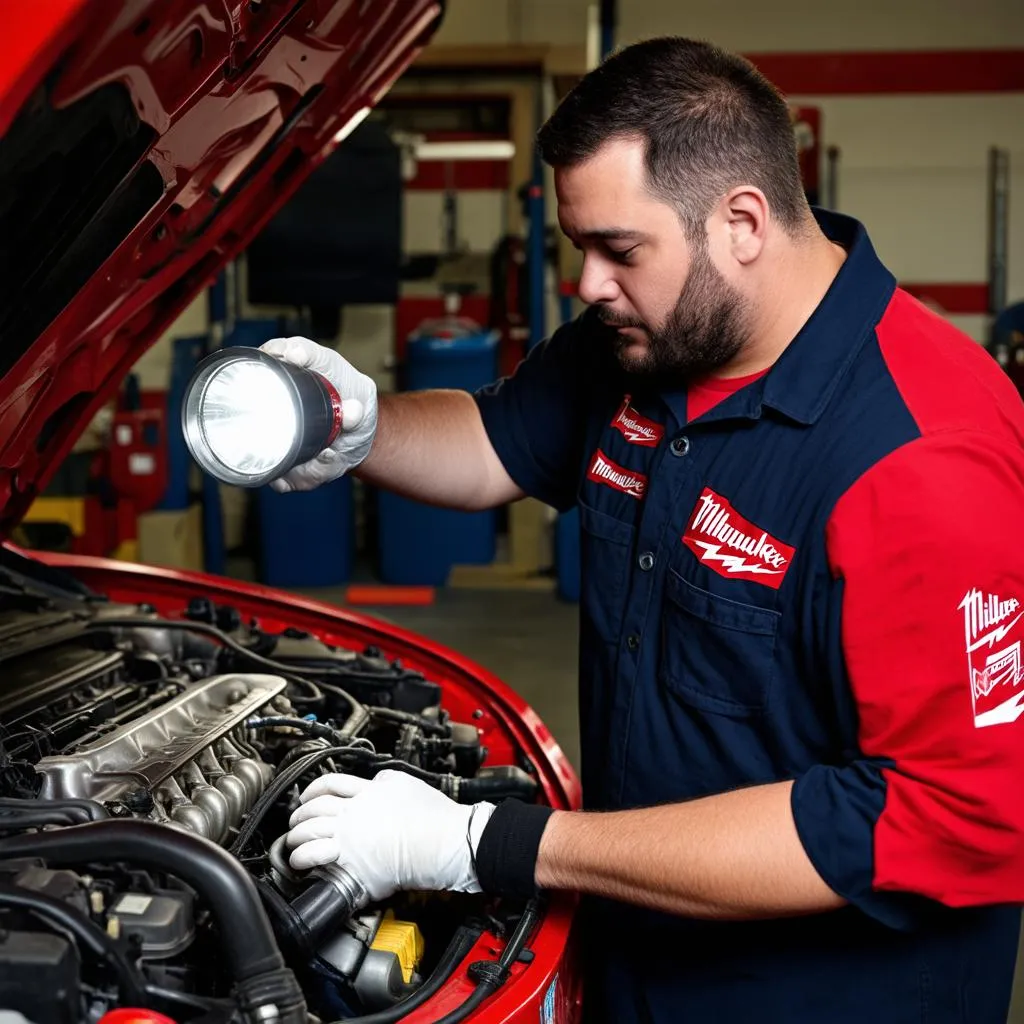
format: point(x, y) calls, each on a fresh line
point(596, 283)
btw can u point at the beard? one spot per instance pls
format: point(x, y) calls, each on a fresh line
point(704, 331)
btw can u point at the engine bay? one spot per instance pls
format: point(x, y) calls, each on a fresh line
point(148, 767)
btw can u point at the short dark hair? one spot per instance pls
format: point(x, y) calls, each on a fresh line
point(709, 119)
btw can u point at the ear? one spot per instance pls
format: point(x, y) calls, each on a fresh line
point(744, 212)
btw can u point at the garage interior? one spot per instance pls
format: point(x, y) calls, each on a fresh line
point(426, 250)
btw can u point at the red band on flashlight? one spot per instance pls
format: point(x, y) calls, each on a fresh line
point(335, 411)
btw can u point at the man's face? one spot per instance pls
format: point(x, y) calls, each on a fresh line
point(677, 317)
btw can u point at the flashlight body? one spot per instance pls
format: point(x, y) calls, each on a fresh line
point(248, 417)
point(321, 413)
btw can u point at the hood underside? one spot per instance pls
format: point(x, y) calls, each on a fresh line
point(142, 146)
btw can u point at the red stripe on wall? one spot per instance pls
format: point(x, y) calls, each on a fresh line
point(913, 71)
point(952, 298)
point(461, 175)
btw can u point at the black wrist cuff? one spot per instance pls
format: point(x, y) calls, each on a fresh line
point(507, 853)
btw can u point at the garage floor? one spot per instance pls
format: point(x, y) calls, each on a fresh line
point(529, 641)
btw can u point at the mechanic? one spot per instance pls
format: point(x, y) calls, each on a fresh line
point(801, 676)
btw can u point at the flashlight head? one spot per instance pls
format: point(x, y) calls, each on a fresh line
point(248, 417)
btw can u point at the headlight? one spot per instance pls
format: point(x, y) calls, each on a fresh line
point(248, 417)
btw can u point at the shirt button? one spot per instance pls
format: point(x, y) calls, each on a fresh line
point(633, 641)
point(646, 561)
point(680, 446)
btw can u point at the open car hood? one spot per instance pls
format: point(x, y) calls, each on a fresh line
point(142, 146)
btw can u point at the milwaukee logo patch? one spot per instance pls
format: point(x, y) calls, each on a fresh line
point(604, 471)
point(637, 429)
point(992, 638)
point(734, 547)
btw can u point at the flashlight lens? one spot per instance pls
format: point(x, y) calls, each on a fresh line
point(249, 417)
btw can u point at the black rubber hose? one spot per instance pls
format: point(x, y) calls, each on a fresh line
point(74, 811)
point(245, 932)
point(282, 782)
point(337, 671)
point(292, 673)
point(472, 791)
point(315, 695)
point(462, 942)
point(517, 942)
point(408, 718)
point(492, 975)
point(192, 1002)
point(367, 760)
point(131, 984)
point(448, 784)
point(25, 820)
point(480, 994)
point(315, 729)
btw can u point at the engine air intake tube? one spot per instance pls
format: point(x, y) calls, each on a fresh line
point(262, 980)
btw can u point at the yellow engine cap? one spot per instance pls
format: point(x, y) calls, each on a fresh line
point(404, 939)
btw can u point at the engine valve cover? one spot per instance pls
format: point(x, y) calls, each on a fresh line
point(154, 747)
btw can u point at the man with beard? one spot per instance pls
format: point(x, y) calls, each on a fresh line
point(800, 671)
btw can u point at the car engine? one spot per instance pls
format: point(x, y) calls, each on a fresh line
point(148, 768)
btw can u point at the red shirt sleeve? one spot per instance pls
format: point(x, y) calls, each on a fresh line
point(926, 550)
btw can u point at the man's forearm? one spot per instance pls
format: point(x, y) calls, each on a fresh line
point(733, 856)
point(432, 446)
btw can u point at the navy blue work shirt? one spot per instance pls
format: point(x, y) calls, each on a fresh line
point(811, 581)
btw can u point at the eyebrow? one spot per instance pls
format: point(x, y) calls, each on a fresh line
point(609, 235)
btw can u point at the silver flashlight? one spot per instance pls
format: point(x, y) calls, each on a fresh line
point(249, 417)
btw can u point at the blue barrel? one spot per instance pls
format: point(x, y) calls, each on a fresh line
point(459, 355)
point(418, 543)
point(307, 538)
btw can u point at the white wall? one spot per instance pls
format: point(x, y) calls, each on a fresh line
point(914, 170)
point(480, 220)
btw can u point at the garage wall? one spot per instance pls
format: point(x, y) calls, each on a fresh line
point(748, 24)
point(154, 368)
point(811, 25)
point(913, 167)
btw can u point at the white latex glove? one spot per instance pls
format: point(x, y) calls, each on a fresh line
point(394, 832)
point(358, 395)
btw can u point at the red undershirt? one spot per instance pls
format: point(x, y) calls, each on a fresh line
point(709, 392)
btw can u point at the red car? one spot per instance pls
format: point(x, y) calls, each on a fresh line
point(155, 726)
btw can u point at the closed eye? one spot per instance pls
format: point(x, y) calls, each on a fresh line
point(622, 255)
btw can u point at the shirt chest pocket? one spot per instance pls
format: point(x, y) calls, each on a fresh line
point(716, 654)
point(605, 547)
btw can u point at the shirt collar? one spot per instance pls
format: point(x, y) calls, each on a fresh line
point(803, 379)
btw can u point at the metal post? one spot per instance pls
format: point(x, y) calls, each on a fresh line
point(608, 21)
point(449, 212)
point(237, 311)
point(217, 310)
point(832, 182)
point(998, 227)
